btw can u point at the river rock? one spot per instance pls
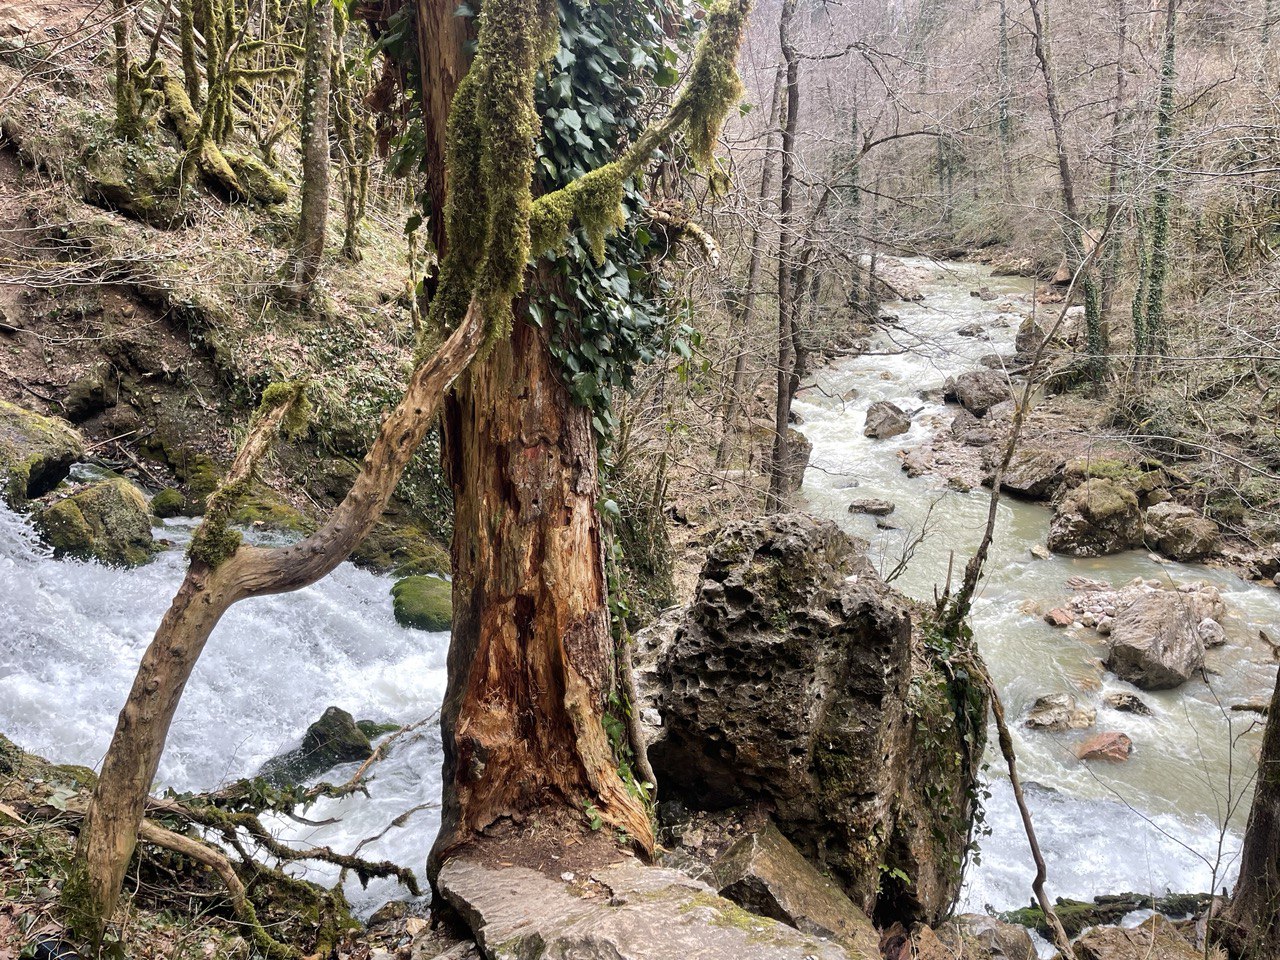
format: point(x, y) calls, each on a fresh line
point(1127, 703)
point(1096, 518)
point(625, 911)
point(1112, 746)
point(789, 681)
point(1180, 532)
point(974, 330)
point(885, 420)
point(979, 390)
point(1058, 711)
point(972, 432)
point(799, 450)
point(1059, 617)
point(108, 521)
point(1155, 641)
point(873, 506)
point(1035, 473)
point(763, 872)
point(36, 453)
point(1028, 339)
point(332, 740)
point(425, 603)
point(973, 936)
point(1211, 633)
point(1156, 938)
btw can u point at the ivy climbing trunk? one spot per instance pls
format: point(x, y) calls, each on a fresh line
point(1152, 321)
point(531, 663)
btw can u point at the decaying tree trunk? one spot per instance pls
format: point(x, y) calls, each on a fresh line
point(223, 572)
point(1251, 925)
point(532, 657)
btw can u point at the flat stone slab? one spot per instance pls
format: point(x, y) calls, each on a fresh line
point(624, 911)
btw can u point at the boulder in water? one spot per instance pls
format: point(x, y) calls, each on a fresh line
point(108, 521)
point(1112, 746)
point(972, 432)
point(1096, 518)
point(979, 390)
point(425, 603)
point(1155, 641)
point(794, 680)
point(973, 936)
point(799, 450)
point(873, 506)
point(332, 740)
point(1180, 532)
point(1058, 711)
point(1028, 340)
point(885, 420)
point(1127, 703)
point(1035, 473)
point(36, 453)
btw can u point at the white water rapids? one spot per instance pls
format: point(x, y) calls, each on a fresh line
point(71, 635)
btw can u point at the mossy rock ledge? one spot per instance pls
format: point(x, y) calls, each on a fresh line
point(36, 453)
point(425, 603)
point(109, 521)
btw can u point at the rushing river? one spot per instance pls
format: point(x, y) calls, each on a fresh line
point(71, 635)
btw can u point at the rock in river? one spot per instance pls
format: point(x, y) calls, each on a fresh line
point(1058, 711)
point(1180, 532)
point(1155, 641)
point(1097, 518)
point(108, 521)
point(1112, 746)
point(885, 420)
point(873, 506)
point(979, 390)
point(36, 453)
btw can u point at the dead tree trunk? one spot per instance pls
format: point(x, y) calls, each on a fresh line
point(734, 401)
point(780, 462)
point(1250, 928)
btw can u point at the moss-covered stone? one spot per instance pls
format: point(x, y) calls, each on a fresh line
point(262, 508)
point(332, 740)
point(423, 602)
point(35, 453)
point(405, 549)
point(109, 521)
point(167, 503)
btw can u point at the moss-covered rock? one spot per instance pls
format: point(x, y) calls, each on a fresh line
point(109, 521)
point(423, 602)
point(167, 503)
point(263, 509)
point(401, 548)
point(332, 740)
point(1097, 518)
point(35, 453)
point(260, 184)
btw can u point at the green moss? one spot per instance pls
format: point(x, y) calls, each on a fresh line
point(372, 729)
point(423, 602)
point(264, 510)
point(713, 86)
point(402, 548)
point(167, 503)
point(35, 452)
point(593, 201)
point(260, 184)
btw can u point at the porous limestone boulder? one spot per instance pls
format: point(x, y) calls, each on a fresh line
point(1097, 518)
point(885, 420)
point(108, 521)
point(36, 453)
point(794, 680)
point(1180, 532)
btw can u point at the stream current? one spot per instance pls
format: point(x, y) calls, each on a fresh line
point(72, 633)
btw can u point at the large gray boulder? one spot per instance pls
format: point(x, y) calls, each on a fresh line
point(1035, 473)
point(794, 680)
point(885, 420)
point(1156, 640)
point(36, 453)
point(1097, 518)
point(979, 390)
point(623, 911)
point(1180, 532)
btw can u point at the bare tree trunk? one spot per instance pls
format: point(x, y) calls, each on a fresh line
point(747, 316)
point(1111, 256)
point(128, 108)
point(308, 252)
point(531, 662)
point(780, 462)
point(1250, 927)
point(208, 591)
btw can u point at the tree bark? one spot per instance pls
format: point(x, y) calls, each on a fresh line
point(1111, 256)
point(1251, 925)
point(532, 658)
point(1153, 322)
point(780, 462)
point(734, 401)
point(313, 219)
